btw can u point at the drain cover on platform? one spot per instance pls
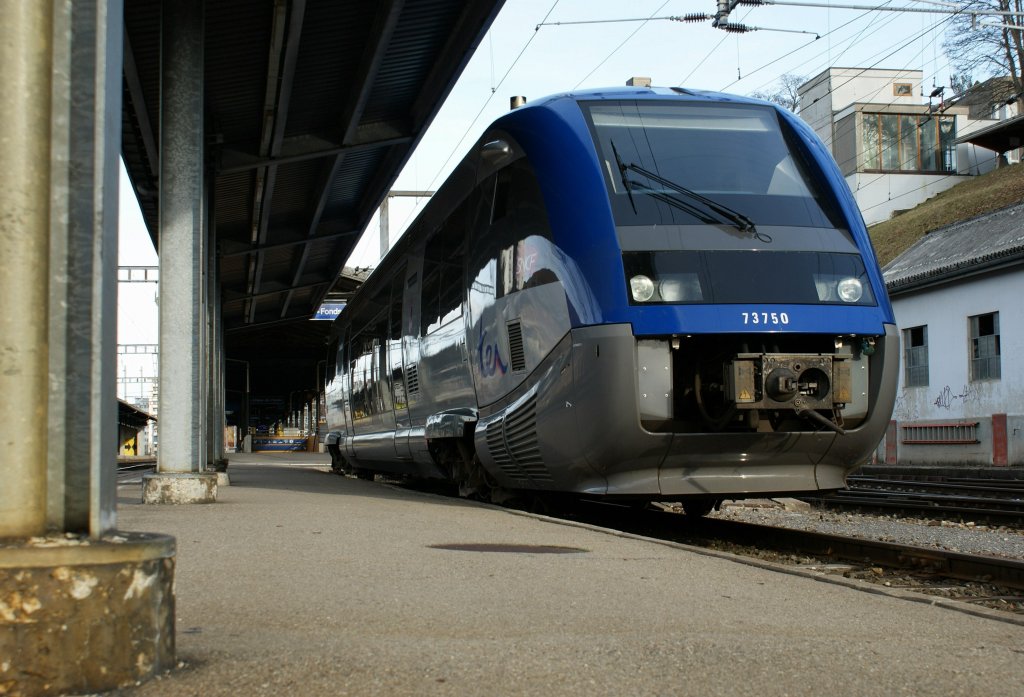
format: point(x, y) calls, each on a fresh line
point(509, 548)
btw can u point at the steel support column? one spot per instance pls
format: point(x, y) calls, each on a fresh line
point(25, 53)
point(181, 455)
point(60, 117)
point(215, 362)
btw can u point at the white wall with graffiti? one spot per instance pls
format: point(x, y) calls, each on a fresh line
point(963, 342)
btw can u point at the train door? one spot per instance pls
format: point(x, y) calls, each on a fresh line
point(396, 366)
point(411, 353)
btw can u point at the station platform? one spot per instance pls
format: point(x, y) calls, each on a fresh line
point(301, 582)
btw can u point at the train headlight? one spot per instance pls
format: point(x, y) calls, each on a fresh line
point(671, 290)
point(850, 290)
point(642, 288)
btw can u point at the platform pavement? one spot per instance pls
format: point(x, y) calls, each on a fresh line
point(301, 582)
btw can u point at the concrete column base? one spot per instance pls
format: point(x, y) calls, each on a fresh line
point(179, 487)
point(81, 615)
point(223, 479)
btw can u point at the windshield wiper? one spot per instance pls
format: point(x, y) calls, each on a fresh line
point(724, 213)
point(622, 173)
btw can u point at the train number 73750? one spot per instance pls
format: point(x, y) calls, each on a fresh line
point(768, 318)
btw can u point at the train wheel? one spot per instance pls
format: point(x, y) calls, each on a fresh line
point(338, 464)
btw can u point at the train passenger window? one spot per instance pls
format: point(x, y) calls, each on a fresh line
point(371, 385)
point(395, 313)
point(500, 200)
point(441, 295)
point(333, 358)
point(519, 238)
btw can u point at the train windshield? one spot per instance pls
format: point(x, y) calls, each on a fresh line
point(691, 163)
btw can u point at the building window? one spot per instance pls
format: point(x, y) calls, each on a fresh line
point(985, 347)
point(915, 356)
point(909, 143)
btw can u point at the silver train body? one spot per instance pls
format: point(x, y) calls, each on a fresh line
point(505, 343)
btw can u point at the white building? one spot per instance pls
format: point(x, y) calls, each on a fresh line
point(896, 146)
point(957, 296)
point(993, 124)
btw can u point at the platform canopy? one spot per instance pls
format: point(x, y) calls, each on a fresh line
point(311, 109)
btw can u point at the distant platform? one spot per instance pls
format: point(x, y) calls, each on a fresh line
point(280, 443)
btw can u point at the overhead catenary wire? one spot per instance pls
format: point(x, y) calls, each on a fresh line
point(830, 61)
point(829, 34)
point(729, 27)
point(617, 48)
point(693, 17)
point(926, 31)
point(487, 101)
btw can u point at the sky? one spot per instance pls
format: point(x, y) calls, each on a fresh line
point(517, 57)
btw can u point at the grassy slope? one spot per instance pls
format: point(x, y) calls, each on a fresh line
point(989, 192)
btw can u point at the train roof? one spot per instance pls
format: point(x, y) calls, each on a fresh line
point(626, 92)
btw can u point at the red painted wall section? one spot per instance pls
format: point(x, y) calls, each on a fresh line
point(999, 454)
point(890, 442)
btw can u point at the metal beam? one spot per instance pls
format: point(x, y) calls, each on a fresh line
point(281, 61)
point(384, 136)
point(134, 85)
point(292, 243)
point(381, 33)
point(138, 274)
point(235, 297)
point(137, 349)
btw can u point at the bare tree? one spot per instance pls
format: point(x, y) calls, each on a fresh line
point(979, 47)
point(959, 83)
point(785, 91)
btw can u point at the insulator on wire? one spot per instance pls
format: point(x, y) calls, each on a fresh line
point(693, 17)
point(753, 3)
point(734, 28)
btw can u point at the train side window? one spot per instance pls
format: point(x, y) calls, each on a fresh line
point(371, 381)
point(361, 369)
point(395, 313)
point(525, 256)
point(430, 295)
point(444, 259)
point(502, 190)
point(333, 358)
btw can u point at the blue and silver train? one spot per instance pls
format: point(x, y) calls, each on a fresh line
point(638, 293)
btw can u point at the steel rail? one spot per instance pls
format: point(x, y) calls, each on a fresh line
point(972, 499)
point(965, 567)
point(661, 524)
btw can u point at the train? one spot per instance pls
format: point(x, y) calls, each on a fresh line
point(633, 294)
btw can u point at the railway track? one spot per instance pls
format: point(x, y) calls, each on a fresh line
point(992, 581)
point(131, 469)
point(970, 499)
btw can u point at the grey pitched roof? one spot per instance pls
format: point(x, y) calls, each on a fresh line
point(989, 241)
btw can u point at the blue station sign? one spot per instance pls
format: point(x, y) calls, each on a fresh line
point(329, 311)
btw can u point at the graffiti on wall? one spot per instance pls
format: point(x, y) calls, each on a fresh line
point(915, 403)
point(906, 408)
point(948, 398)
